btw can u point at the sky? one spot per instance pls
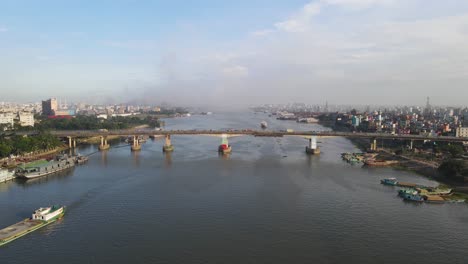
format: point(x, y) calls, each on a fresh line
point(235, 53)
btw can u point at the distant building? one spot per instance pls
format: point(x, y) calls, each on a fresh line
point(7, 119)
point(462, 132)
point(49, 107)
point(68, 112)
point(102, 116)
point(355, 121)
point(26, 119)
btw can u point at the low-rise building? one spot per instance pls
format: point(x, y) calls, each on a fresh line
point(462, 132)
point(26, 119)
point(7, 119)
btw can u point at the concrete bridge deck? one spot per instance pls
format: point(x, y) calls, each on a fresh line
point(248, 132)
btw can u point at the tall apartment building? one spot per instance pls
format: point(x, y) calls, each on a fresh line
point(49, 107)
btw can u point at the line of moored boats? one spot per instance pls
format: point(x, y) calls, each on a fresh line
point(40, 168)
point(420, 193)
point(368, 159)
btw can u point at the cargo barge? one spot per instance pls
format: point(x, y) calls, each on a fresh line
point(43, 168)
point(40, 218)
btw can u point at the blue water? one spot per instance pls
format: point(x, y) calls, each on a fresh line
point(267, 202)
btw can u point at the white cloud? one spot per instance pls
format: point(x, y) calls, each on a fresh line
point(264, 32)
point(3, 29)
point(236, 71)
point(300, 21)
point(357, 3)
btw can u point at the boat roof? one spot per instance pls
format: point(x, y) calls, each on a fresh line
point(37, 163)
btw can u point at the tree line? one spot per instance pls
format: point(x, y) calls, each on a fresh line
point(18, 145)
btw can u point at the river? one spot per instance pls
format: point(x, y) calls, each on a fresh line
point(267, 202)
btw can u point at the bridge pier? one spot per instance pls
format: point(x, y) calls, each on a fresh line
point(312, 149)
point(167, 144)
point(224, 148)
point(136, 144)
point(373, 146)
point(411, 144)
point(104, 145)
point(71, 142)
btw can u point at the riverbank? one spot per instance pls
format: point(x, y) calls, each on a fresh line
point(11, 163)
point(426, 168)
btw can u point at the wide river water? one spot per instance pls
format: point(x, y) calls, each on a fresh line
point(267, 202)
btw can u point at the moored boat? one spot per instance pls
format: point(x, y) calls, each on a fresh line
point(40, 218)
point(6, 175)
point(404, 192)
point(413, 197)
point(379, 163)
point(43, 168)
point(263, 124)
point(81, 159)
point(389, 181)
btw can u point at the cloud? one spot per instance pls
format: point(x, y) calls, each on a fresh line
point(300, 21)
point(3, 29)
point(357, 4)
point(236, 71)
point(263, 32)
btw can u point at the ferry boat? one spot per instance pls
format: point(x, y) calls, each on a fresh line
point(263, 124)
point(40, 218)
point(6, 175)
point(389, 181)
point(43, 168)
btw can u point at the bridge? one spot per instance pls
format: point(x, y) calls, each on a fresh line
point(310, 135)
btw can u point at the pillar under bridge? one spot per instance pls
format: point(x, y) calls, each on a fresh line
point(104, 145)
point(71, 142)
point(312, 148)
point(136, 144)
point(167, 147)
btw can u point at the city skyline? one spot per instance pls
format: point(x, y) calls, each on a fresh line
point(344, 51)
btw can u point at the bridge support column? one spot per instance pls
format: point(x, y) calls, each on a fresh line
point(70, 142)
point(312, 148)
point(167, 144)
point(411, 144)
point(224, 148)
point(373, 146)
point(74, 143)
point(136, 144)
point(104, 145)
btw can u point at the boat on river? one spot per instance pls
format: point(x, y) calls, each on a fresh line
point(413, 197)
point(40, 218)
point(42, 168)
point(6, 175)
point(263, 124)
point(405, 191)
point(389, 181)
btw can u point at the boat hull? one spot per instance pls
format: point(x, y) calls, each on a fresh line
point(42, 174)
point(33, 225)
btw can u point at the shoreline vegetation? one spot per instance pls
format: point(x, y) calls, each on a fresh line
point(15, 149)
point(427, 168)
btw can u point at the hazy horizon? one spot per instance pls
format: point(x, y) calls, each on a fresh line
point(363, 52)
